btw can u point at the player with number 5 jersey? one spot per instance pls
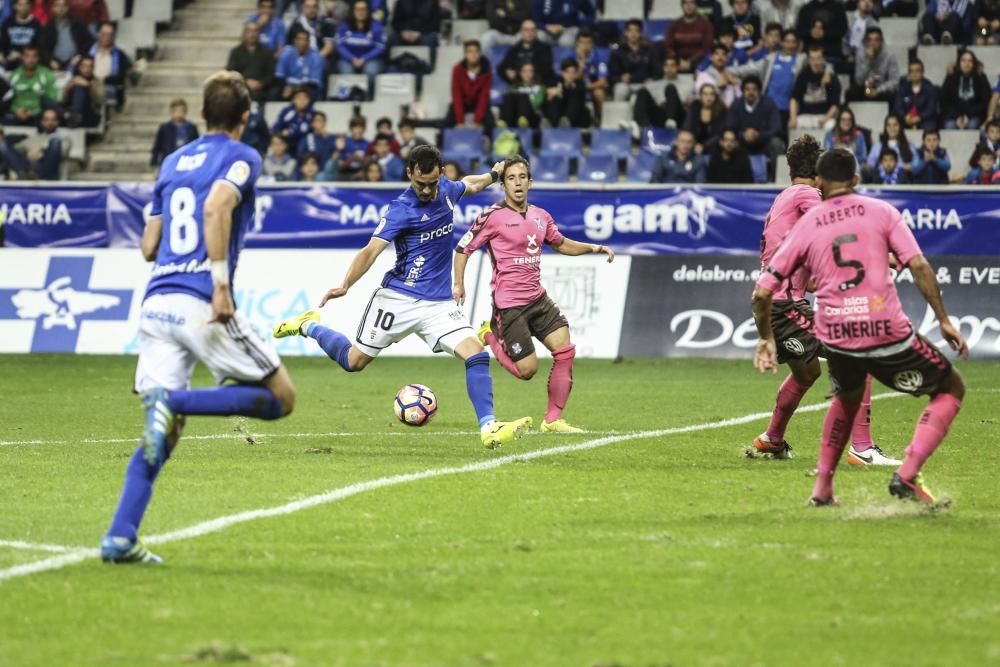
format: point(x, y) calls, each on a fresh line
point(203, 205)
point(415, 295)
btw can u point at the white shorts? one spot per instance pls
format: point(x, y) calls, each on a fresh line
point(392, 316)
point(175, 334)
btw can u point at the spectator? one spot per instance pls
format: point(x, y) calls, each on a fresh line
point(452, 171)
point(566, 102)
point(322, 32)
point(256, 133)
point(876, 72)
point(300, 67)
point(679, 164)
point(361, 43)
point(92, 12)
point(38, 156)
point(528, 49)
point(561, 20)
point(173, 134)
point(593, 69)
point(946, 22)
point(255, 62)
point(815, 95)
point(746, 25)
point(384, 126)
point(986, 171)
point(990, 143)
point(505, 18)
point(319, 141)
point(270, 28)
point(33, 87)
point(83, 96)
point(778, 72)
point(726, 36)
point(634, 62)
point(729, 162)
point(111, 65)
point(523, 100)
point(393, 168)
point(965, 94)
point(278, 164)
point(471, 80)
point(716, 75)
point(931, 164)
point(372, 172)
point(308, 170)
point(64, 38)
point(784, 12)
point(689, 38)
point(42, 11)
point(669, 113)
point(889, 172)
point(917, 99)
point(416, 22)
point(705, 119)
point(904, 8)
point(832, 17)
point(771, 44)
point(352, 156)
point(858, 24)
point(711, 10)
point(847, 135)
point(408, 138)
point(987, 21)
point(20, 30)
point(892, 137)
point(994, 109)
point(757, 121)
point(295, 120)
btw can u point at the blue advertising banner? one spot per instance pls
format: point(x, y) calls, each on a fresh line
point(638, 221)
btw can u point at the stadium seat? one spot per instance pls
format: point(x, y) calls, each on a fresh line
point(466, 162)
point(422, 53)
point(656, 139)
point(916, 136)
point(158, 12)
point(899, 31)
point(640, 167)
point(272, 110)
point(464, 29)
point(550, 169)
point(598, 169)
point(610, 142)
point(463, 141)
point(960, 145)
point(937, 60)
point(781, 176)
point(559, 141)
point(655, 30)
point(396, 84)
point(623, 10)
point(430, 107)
point(867, 114)
point(665, 9)
point(524, 134)
point(338, 86)
point(116, 9)
point(990, 57)
point(613, 114)
point(447, 56)
point(338, 115)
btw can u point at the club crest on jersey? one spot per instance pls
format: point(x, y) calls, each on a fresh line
point(794, 346)
point(539, 223)
point(516, 348)
point(908, 380)
point(533, 244)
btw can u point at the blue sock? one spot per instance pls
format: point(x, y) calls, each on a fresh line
point(335, 344)
point(479, 384)
point(236, 399)
point(138, 489)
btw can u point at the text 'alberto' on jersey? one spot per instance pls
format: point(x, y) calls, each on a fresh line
point(422, 235)
point(186, 178)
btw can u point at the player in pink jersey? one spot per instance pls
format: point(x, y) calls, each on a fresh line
point(845, 244)
point(792, 320)
point(513, 233)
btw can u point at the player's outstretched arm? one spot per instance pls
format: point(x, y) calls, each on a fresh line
point(359, 267)
point(150, 243)
point(573, 248)
point(765, 356)
point(475, 184)
point(923, 276)
point(219, 205)
point(458, 288)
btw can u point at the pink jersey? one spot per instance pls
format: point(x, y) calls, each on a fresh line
point(786, 210)
point(514, 241)
point(845, 243)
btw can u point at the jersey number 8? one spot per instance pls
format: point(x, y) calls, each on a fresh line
point(183, 226)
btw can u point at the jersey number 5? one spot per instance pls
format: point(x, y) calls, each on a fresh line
point(852, 263)
point(183, 226)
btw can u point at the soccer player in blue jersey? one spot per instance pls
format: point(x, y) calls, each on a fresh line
point(203, 204)
point(415, 296)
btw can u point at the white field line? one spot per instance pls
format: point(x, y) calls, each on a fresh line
point(223, 522)
point(34, 546)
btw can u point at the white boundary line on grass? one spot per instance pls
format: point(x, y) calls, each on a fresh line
point(223, 522)
point(34, 546)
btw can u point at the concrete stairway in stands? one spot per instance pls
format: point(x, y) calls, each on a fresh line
point(196, 44)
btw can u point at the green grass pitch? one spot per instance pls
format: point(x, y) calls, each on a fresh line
point(657, 550)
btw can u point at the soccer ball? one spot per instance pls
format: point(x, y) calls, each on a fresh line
point(415, 405)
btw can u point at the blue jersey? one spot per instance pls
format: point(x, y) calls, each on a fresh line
point(186, 177)
point(422, 234)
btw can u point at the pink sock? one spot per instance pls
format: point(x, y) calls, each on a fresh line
point(861, 434)
point(560, 382)
point(789, 396)
point(931, 429)
point(501, 354)
point(835, 432)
